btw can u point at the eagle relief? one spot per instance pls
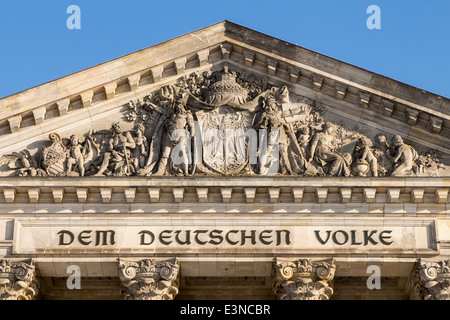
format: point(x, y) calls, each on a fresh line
point(228, 123)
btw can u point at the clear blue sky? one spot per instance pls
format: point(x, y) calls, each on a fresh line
point(413, 45)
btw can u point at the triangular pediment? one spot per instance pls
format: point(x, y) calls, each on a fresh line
point(225, 77)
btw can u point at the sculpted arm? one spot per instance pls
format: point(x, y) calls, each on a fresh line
point(157, 108)
point(313, 146)
point(191, 124)
point(130, 143)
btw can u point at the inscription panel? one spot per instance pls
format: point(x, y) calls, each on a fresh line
point(222, 235)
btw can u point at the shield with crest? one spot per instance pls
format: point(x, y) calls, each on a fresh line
point(226, 137)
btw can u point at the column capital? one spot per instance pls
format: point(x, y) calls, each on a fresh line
point(18, 280)
point(149, 279)
point(304, 279)
point(430, 280)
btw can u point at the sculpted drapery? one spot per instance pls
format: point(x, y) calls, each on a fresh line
point(224, 123)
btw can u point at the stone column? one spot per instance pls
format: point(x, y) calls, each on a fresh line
point(430, 280)
point(304, 279)
point(18, 280)
point(149, 279)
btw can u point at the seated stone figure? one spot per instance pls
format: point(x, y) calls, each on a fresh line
point(365, 158)
point(323, 150)
point(116, 159)
point(403, 158)
point(381, 151)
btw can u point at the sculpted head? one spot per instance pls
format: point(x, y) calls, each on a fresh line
point(328, 128)
point(269, 100)
point(364, 142)
point(282, 95)
point(139, 127)
point(74, 140)
point(397, 141)
point(115, 128)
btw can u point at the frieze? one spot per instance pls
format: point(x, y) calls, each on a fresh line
point(231, 123)
point(237, 236)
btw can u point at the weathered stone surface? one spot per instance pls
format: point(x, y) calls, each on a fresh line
point(430, 280)
point(226, 147)
point(18, 280)
point(149, 279)
point(304, 279)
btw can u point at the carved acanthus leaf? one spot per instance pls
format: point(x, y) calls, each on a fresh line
point(304, 279)
point(18, 280)
point(149, 279)
point(430, 280)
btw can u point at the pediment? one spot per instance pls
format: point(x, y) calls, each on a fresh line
point(257, 105)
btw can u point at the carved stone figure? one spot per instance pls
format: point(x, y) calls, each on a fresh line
point(116, 159)
point(403, 158)
point(280, 134)
point(224, 122)
point(304, 136)
point(270, 119)
point(177, 120)
point(140, 152)
point(80, 156)
point(365, 158)
point(381, 151)
point(24, 164)
point(323, 150)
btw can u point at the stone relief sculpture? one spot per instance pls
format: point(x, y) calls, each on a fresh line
point(304, 279)
point(225, 122)
point(149, 279)
point(18, 280)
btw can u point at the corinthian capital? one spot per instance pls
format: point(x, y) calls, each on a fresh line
point(149, 279)
point(304, 279)
point(18, 280)
point(430, 280)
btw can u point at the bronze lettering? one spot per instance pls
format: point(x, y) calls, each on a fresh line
point(354, 243)
point(382, 238)
point(317, 232)
point(252, 237)
point(286, 238)
point(368, 237)
point(104, 236)
point(197, 239)
point(227, 238)
point(262, 237)
point(162, 237)
point(61, 237)
point(215, 234)
point(143, 233)
point(81, 237)
point(187, 238)
point(335, 239)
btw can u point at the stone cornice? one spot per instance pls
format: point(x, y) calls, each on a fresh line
point(382, 194)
